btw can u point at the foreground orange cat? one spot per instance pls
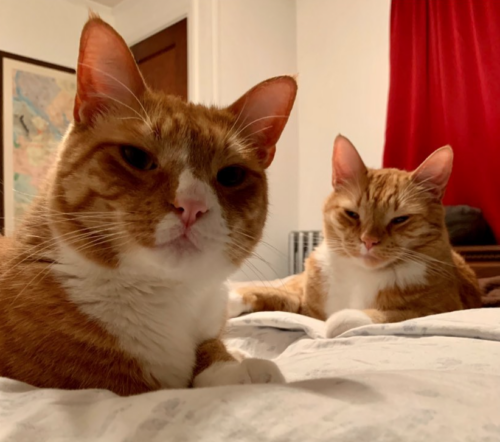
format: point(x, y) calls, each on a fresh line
point(115, 279)
point(386, 256)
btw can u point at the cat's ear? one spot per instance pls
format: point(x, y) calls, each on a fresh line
point(435, 171)
point(262, 114)
point(347, 165)
point(107, 75)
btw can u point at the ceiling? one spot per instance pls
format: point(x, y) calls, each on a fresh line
point(109, 3)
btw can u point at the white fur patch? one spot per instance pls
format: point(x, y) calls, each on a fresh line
point(160, 304)
point(345, 320)
point(249, 371)
point(236, 305)
point(158, 321)
point(351, 286)
point(210, 230)
point(191, 187)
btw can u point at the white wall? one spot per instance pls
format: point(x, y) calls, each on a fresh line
point(257, 40)
point(136, 20)
point(47, 30)
point(343, 63)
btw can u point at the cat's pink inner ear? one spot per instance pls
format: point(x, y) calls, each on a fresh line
point(347, 165)
point(435, 171)
point(107, 74)
point(262, 114)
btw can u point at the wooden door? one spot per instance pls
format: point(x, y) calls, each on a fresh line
point(162, 59)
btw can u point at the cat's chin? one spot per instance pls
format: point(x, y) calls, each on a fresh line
point(373, 262)
point(187, 251)
point(181, 246)
point(179, 260)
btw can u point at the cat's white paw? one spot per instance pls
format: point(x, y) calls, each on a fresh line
point(345, 320)
point(236, 306)
point(249, 371)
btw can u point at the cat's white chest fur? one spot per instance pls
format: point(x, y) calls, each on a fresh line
point(350, 286)
point(157, 321)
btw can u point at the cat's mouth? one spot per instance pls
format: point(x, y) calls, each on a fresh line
point(182, 244)
point(372, 260)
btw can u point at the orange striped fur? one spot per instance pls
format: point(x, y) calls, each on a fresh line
point(386, 255)
point(115, 277)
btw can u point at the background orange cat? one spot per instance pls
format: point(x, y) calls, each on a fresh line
point(115, 278)
point(385, 257)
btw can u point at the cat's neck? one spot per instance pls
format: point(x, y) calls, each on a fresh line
point(347, 284)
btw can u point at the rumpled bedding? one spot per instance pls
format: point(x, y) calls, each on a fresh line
point(429, 379)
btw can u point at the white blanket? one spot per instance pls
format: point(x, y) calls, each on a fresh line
point(431, 379)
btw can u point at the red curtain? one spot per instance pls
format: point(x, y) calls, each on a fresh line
point(445, 89)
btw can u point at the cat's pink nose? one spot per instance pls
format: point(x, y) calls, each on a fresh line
point(370, 241)
point(189, 210)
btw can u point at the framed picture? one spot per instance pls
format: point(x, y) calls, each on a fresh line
point(36, 107)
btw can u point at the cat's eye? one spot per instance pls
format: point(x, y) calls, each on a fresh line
point(399, 219)
point(351, 214)
point(231, 176)
point(137, 158)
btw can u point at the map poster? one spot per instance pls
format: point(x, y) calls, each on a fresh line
point(36, 109)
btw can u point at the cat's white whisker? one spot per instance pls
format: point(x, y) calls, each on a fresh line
point(246, 141)
point(45, 272)
point(264, 243)
point(104, 240)
point(241, 130)
point(122, 85)
point(37, 250)
point(240, 113)
point(259, 276)
point(109, 97)
point(42, 273)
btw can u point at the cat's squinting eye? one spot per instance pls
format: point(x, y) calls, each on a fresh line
point(137, 158)
point(351, 214)
point(399, 219)
point(231, 176)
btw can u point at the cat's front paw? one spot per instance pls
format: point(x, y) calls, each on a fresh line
point(249, 371)
point(345, 320)
point(236, 305)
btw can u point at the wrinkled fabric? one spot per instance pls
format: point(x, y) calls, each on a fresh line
point(428, 379)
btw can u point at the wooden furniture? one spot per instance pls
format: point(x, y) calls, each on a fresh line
point(162, 59)
point(484, 260)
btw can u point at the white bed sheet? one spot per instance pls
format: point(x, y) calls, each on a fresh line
point(430, 379)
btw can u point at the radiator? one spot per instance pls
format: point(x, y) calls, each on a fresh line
point(300, 245)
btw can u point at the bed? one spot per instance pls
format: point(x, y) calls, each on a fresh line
point(429, 379)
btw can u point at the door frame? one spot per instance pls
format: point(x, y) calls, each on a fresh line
point(135, 25)
point(175, 36)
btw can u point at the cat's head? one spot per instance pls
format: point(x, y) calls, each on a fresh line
point(384, 217)
point(148, 176)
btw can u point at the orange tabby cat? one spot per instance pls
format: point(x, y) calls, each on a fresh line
point(115, 279)
point(386, 256)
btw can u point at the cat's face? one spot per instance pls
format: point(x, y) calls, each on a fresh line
point(384, 217)
point(146, 175)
